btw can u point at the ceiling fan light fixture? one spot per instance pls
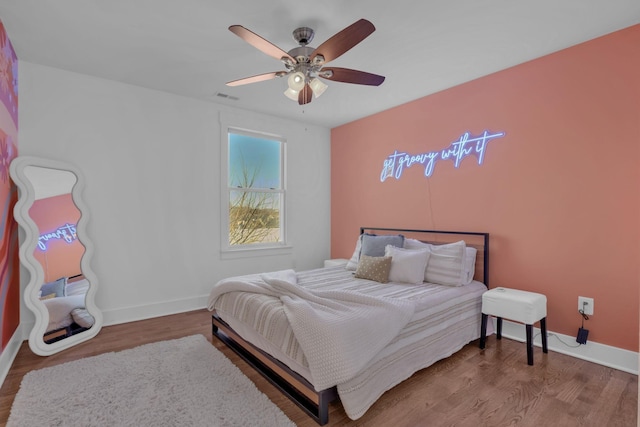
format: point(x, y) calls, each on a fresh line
point(305, 64)
point(327, 74)
point(296, 81)
point(291, 94)
point(317, 86)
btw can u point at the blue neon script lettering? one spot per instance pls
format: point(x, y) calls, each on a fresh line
point(66, 232)
point(467, 144)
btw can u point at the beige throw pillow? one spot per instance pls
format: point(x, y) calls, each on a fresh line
point(374, 268)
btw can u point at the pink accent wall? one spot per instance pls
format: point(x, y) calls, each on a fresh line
point(559, 193)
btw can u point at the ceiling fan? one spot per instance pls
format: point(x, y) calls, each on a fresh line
point(305, 64)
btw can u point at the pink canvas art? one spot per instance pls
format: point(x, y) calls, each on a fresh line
point(9, 266)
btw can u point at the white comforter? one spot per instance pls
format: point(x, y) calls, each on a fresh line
point(339, 331)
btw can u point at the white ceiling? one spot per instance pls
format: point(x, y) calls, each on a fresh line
point(184, 47)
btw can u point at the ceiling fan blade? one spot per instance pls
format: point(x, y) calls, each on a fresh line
point(260, 43)
point(257, 78)
point(344, 40)
point(304, 96)
point(347, 75)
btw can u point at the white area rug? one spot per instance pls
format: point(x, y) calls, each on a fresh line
point(183, 382)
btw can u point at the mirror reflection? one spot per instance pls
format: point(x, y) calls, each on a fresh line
point(59, 252)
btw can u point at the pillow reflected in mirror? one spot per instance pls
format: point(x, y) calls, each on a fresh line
point(56, 287)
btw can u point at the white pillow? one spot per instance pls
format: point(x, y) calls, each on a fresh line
point(416, 244)
point(353, 262)
point(60, 310)
point(407, 265)
point(469, 268)
point(468, 264)
point(82, 317)
point(446, 264)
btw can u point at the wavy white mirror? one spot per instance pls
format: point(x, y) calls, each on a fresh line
point(57, 253)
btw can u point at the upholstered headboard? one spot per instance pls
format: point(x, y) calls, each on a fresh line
point(479, 241)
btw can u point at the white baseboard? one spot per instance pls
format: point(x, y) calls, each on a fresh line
point(149, 311)
point(602, 354)
point(10, 352)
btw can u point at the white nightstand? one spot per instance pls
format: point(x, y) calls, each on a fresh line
point(521, 306)
point(337, 262)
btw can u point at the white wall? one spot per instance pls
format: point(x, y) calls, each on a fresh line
point(151, 162)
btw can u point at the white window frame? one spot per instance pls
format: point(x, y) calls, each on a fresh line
point(254, 249)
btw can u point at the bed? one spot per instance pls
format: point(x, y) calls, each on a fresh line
point(284, 323)
point(65, 302)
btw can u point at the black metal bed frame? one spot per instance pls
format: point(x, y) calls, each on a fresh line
point(318, 409)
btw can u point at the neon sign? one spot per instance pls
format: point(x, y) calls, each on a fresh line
point(66, 232)
point(466, 145)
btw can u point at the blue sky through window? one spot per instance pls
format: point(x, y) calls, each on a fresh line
point(257, 156)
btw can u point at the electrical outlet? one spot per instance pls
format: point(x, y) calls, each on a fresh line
point(586, 305)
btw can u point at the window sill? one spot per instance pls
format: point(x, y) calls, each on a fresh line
point(255, 252)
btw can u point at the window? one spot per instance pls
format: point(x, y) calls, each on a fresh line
point(255, 190)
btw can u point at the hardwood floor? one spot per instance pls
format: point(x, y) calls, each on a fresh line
point(494, 387)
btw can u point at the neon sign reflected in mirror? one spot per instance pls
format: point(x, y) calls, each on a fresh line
point(65, 232)
point(466, 145)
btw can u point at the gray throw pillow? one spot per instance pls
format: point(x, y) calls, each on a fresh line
point(374, 245)
point(56, 288)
